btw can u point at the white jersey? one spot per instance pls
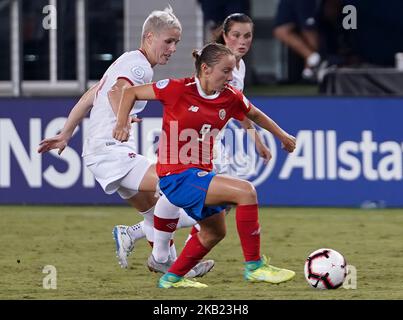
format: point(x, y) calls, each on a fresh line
point(238, 75)
point(116, 165)
point(131, 66)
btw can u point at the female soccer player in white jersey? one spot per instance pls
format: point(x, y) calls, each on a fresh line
point(237, 34)
point(185, 165)
point(117, 166)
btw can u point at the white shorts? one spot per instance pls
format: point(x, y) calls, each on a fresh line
point(118, 171)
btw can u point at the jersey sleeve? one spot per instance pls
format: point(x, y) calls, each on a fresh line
point(168, 91)
point(133, 70)
point(135, 75)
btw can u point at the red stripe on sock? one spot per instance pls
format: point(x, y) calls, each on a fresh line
point(191, 254)
point(249, 231)
point(167, 225)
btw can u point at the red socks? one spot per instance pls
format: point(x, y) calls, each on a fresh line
point(191, 254)
point(249, 231)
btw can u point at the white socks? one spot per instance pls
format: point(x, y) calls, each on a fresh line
point(313, 60)
point(161, 248)
point(148, 223)
point(166, 217)
point(136, 232)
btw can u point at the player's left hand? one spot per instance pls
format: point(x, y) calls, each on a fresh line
point(264, 152)
point(59, 141)
point(122, 132)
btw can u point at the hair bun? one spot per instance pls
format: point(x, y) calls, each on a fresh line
point(196, 53)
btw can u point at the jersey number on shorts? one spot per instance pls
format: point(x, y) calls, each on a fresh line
point(204, 130)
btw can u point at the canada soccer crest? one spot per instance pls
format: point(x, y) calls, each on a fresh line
point(222, 114)
point(138, 72)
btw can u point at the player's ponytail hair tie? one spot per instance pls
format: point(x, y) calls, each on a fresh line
point(197, 53)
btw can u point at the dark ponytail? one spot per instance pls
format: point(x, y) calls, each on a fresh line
point(196, 55)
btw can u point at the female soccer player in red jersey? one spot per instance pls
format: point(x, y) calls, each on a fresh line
point(195, 109)
point(236, 34)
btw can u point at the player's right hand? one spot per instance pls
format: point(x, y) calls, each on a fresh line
point(288, 143)
point(57, 142)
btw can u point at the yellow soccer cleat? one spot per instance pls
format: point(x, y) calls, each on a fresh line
point(267, 273)
point(170, 280)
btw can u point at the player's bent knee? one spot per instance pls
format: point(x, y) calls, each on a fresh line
point(248, 194)
point(219, 234)
point(143, 201)
point(211, 238)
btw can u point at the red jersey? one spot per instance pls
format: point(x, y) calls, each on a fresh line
point(191, 121)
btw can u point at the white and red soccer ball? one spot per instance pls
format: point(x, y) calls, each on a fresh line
point(325, 269)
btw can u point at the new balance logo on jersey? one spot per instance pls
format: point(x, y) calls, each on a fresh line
point(193, 108)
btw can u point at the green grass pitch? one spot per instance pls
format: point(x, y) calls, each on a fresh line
point(78, 242)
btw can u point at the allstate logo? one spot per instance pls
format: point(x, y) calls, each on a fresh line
point(242, 159)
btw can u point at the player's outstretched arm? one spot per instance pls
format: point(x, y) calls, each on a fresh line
point(261, 148)
point(129, 97)
point(77, 114)
point(288, 142)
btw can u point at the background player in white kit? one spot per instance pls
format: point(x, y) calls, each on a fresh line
point(116, 165)
point(237, 34)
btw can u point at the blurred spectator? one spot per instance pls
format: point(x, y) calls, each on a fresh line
point(214, 13)
point(335, 45)
point(375, 41)
point(35, 40)
point(296, 27)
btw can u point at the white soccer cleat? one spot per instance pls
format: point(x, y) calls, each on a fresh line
point(155, 266)
point(200, 269)
point(124, 244)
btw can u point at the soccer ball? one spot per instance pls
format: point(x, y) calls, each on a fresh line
point(325, 269)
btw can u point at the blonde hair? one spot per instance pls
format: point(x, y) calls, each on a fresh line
point(159, 20)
